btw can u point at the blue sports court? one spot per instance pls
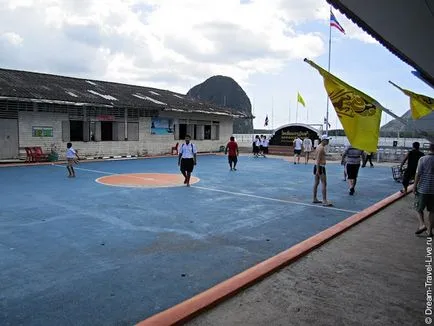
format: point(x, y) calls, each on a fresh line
point(78, 252)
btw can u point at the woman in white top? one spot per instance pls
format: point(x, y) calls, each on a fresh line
point(265, 143)
point(307, 147)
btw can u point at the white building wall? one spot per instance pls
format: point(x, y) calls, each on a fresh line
point(147, 144)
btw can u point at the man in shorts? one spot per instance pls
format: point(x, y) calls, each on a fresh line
point(352, 158)
point(187, 159)
point(424, 191)
point(319, 172)
point(232, 149)
point(298, 144)
point(412, 158)
point(256, 146)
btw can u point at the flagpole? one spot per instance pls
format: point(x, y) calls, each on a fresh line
point(328, 70)
point(289, 111)
point(296, 111)
point(272, 113)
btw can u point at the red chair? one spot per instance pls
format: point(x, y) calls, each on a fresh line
point(39, 154)
point(29, 155)
point(174, 149)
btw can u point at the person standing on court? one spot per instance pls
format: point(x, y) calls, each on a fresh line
point(424, 191)
point(352, 158)
point(307, 148)
point(265, 143)
point(256, 146)
point(368, 157)
point(187, 159)
point(319, 171)
point(232, 149)
point(298, 144)
point(412, 158)
point(71, 158)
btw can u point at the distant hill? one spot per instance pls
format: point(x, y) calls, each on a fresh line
point(225, 91)
point(423, 127)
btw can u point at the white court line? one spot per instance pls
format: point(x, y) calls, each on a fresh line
point(82, 169)
point(230, 192)
point(278, 200)
point(108, 173)
point(128, 176)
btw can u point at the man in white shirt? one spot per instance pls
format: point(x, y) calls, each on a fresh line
point(307, 147)
point(298, 143)
point(187, 159)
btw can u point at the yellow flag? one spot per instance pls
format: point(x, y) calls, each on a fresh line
point(420, 105)
point(359, 113)
point(300, 99)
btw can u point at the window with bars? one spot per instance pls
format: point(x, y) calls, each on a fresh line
point(198, 130)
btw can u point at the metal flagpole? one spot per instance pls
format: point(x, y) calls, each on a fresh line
point(272, 113)
point(296, 111)
point(289, 111)
point(328, 69)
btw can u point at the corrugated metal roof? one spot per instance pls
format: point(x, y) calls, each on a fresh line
point(46, 87)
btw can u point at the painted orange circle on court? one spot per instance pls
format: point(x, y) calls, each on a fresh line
point(145, 180)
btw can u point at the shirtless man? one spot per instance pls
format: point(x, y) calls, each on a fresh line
point(319, 171)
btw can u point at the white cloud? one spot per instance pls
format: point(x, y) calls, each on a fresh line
point(162, 43)
point(353, 31)
point(12, 38)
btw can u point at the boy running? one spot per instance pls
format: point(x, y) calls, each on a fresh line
point(187, 159)
point(232, 148)
point(71, 158)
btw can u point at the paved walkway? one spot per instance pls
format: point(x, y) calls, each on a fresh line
point(373, 274)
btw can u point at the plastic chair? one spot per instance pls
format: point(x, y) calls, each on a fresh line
point(174, 150)
point(39, 154)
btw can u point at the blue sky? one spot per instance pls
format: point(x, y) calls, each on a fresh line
point(176, 44)
point(366, 66)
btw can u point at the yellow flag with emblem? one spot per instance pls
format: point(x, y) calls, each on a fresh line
point(300, 99)
point(420, 105)
point(359, 114)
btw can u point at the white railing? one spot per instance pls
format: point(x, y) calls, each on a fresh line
point(247, 139)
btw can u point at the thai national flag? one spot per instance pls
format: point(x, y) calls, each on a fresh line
point(334, 23)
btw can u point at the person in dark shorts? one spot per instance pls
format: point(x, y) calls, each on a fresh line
point(424, 191)
point(368, 157)
point(298, 146)
point(256, 146)
point(412, 158)
point(352, 158)
point(232, 149)
point(319, 172)
point(187, 159)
